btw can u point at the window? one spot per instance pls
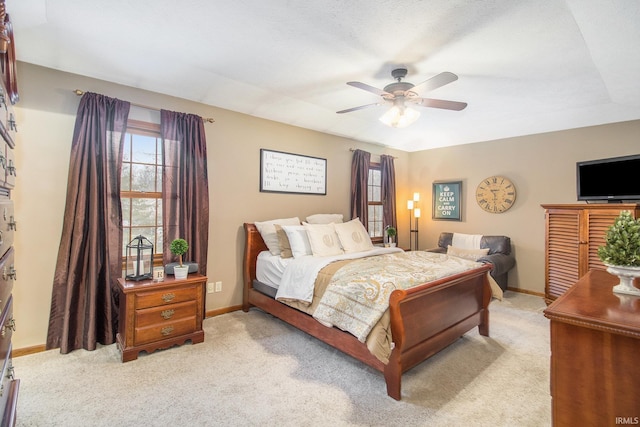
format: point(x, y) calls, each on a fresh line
point(141, 186)
point(374, 190)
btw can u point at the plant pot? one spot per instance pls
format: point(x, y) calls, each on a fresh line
point(181, 272)
point(626, 276)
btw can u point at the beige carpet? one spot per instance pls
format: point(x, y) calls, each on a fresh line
point(255, 370)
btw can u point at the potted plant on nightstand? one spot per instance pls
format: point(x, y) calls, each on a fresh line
point(391, 233)
point(180, 247)
point(621, 253)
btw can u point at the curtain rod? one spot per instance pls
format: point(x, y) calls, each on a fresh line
point(354, 149)
point(81, 92)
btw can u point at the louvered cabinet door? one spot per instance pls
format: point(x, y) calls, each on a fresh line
point(573, 235)
point(598, 222)
point(562, 249)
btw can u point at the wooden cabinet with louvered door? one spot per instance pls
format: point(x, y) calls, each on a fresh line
point(573, 234)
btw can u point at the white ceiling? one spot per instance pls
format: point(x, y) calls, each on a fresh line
point(524, 66)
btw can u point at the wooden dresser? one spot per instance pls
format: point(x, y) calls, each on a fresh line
point(595, 353)
point(156, 315)
point(9, 385)
point(573, 234)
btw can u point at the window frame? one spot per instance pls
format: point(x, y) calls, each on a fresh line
point(376, 167)
point(142, 128)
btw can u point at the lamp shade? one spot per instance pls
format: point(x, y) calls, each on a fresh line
point(416, 212)
point(399, 116)
point(409, 204)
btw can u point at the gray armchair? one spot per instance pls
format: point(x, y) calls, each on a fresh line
point(499, 255)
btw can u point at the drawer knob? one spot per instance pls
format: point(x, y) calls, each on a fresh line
point(168, 297)
point(167, 330)
point(12, 123)
point(11, 324)
point(166, 314)
point(11, 274)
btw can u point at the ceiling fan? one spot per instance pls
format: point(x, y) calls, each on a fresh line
point(401, 95)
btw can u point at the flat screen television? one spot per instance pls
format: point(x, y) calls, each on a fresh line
point(613, 180)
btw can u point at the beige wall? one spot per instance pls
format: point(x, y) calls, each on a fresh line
point(542, 167)
point(46, 117)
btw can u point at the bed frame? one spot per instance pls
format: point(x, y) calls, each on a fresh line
point(424, 319)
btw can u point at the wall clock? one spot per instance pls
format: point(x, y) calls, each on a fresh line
point(495, 194)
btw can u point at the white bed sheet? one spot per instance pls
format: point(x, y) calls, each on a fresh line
point(270, 268)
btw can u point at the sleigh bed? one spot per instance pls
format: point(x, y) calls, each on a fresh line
point(422, 320)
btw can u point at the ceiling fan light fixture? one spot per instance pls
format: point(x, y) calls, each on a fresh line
point(399, 117)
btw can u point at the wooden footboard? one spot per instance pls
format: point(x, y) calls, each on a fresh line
point(424, 319)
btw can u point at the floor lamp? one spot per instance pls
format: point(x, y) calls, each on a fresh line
point(414, 212)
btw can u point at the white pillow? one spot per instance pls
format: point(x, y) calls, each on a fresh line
point(353, 236)
point(324, 218)
point(466, 241)
point(268, 232)
point(324, 240)
point(298, 240)
point(472, 254)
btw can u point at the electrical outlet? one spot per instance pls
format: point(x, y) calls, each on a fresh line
point(210, 287)
point(218, 286)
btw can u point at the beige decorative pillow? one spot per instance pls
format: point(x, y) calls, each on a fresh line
point(472, 254)
point(324, 218)
point(323, 239)
point(353, 236)
point(283, 240)
point(268, 232)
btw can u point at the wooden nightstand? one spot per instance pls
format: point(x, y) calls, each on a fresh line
point(157, 315)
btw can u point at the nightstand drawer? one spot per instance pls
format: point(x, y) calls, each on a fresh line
point(163, 331)
point(164, 297)
point(165, 314)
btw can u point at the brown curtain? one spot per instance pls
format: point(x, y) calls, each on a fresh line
point(359, 186)
point(388, 190)
point(185, 209)
point(83, 309)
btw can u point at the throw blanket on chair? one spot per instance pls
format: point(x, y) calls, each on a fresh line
point(358, 294)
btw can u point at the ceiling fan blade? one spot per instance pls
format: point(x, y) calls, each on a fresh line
point(348, 110)
point(434, 82)
point(368, 88)
point(440, 103)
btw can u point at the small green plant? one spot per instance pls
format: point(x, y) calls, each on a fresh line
point(391, 232)
point(622, 246)
point(179, 247)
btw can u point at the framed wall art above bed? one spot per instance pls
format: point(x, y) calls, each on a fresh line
point(292, 173)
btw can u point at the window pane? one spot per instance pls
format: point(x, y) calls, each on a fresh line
point(126, 149)
point(375, 194)
point(375, 220)
point(374, 177)
point(159, 151)
point(126, 212)
point(373, 186)
point(144, 149)
point(143, 212)
point(125, 185)
point(159, 178)
point(144, 177)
